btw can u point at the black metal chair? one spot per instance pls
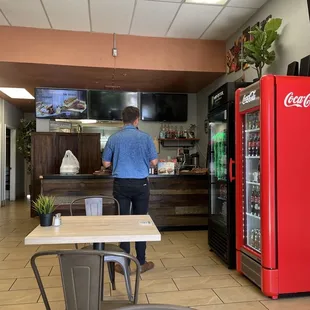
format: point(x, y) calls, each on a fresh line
point(82, 274)
point(94, 206)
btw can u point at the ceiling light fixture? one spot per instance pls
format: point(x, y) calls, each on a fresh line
point(16, 93)
point(88, 121)
point(216, 2)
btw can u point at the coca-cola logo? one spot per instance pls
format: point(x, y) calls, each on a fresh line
point(249, 98)
point(297, 101)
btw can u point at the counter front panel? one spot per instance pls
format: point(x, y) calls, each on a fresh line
point(176, 202)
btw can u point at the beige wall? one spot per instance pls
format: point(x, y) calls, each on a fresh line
point(294, 44)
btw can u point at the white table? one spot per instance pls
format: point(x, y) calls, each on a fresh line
point(97, 230)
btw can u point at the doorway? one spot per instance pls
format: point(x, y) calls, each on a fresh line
point(10, 164)
point(7, 163)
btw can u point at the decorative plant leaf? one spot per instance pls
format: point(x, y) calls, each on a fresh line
point(271, 37)
point(23, 139)
point(256, 51)
point(273, 24)
point(270, 58)
point(260, 40)
point(250, 46)
point(250, 60)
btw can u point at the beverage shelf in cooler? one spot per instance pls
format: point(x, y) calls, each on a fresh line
point(222, 198)
point(253, 183)
point(253, 130)
point(252, 157)
point(253, 248)
point(253, 216)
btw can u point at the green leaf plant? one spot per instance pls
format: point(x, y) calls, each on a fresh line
point(25, 129)
point(44, 204)
point(256, 52)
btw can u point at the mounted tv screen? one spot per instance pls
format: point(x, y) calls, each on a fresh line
point(164, 107)
point(61, 103)
point(108, 105)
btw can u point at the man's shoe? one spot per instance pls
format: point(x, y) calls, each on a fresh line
point(146, 267)
point(119, 269)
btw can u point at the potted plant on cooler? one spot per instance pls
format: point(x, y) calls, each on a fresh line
point(45, 206)
point(257, 51)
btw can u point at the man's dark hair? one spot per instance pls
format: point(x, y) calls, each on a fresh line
point(130, 114)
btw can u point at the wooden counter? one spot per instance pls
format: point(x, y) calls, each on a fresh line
point(176, 202)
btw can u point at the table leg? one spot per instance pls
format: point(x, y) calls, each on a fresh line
point(98, 246)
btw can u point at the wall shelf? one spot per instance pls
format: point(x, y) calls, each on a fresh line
point(178, 142)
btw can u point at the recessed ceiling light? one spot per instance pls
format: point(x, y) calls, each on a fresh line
point(88, 121)
point(218, 2)
point(16, 93)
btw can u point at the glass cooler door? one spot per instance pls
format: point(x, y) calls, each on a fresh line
point(251, 181)
point(218, 167)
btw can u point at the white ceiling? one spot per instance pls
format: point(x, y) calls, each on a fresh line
point(156, 18)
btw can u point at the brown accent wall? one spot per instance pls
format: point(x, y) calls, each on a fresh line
point(41, 46)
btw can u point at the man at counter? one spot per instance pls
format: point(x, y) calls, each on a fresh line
point(131, 152)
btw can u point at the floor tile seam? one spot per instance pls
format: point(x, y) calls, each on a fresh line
point(5, 256)
point(12, 284)
point(175, 284)
point(237, 281)
point(213, 290)
point(209, 288)
point(37, 288)
point(166, 291)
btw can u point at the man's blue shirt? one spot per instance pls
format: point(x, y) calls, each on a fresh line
point(130, 151)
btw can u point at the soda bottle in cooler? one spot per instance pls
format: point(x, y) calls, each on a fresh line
point(257, 149)
point(259, 239)
point(258, 204)
point(256, 239)
point(249, 121)
point(253, 121)
point(252, 237)
point(258, 120)
point(252, 205)
point(249, 145)
point(253, 145)
point(256, 194)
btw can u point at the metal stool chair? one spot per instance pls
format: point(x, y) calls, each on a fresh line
point(94, 207)
point(82, 277)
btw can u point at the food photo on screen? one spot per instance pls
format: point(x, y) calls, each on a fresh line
point(61, 103)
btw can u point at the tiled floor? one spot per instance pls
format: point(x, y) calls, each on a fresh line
point(186, 273)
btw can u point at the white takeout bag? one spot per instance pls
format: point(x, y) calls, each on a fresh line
point(70, 164)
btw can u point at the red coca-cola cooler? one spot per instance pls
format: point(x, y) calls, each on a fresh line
point(272, 176)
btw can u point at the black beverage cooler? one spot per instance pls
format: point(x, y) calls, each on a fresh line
point(221, 155)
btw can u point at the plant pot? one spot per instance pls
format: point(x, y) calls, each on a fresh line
point(46, 219)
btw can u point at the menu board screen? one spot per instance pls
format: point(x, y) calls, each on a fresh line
point(61, 103)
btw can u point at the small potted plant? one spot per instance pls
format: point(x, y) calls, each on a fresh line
point(257, 52)
point(45, 206)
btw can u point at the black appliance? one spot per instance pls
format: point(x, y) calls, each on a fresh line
point(293, 69)
point(195, 159)
point(53, 103)
point(108, 105)
point(305, 66)
point(220, 160)
point(164, 107)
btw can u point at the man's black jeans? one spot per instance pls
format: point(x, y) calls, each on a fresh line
point(136, 192)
